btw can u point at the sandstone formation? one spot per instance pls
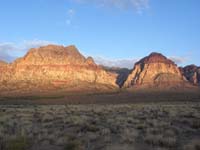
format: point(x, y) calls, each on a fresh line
point(121, 72)
point(57, 68)
point(155, 70)
point(54, 67)
point(192, 74)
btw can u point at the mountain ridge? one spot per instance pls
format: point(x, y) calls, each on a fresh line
point(155, 70)
point(53, 67)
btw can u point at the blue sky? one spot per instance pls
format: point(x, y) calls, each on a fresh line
point(112, 31)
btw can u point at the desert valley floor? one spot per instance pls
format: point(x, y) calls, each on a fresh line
point(127, 121)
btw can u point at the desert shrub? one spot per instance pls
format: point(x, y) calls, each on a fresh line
point(129, 135)
point(2, 143)
point(160, 140)
point(19, 143)
point(195, 124)
point(193, 145)
point(89, 128)
point(141, 126)
point(73, 145)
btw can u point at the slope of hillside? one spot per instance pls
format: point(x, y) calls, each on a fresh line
point(155, 70)
point(55, 68)
point(192, 74)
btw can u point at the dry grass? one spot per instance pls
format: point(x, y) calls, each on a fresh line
point(157, 126)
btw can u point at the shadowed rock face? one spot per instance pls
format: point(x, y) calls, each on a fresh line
point(155, 70)
point(122, 74)
point(55, 67)
point(192, 74)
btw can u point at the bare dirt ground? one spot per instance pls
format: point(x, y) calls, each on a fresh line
point(117, 97)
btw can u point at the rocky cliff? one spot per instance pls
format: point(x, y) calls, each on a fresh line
point(54, 67)
point(121, 72)
point(57, 68)
point(155, 70)
point(192, 74)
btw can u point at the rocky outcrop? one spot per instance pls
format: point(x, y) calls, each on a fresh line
point(121, 72)
point(55, 67)
point(58, 68)
point(155, 70)
point(192, 74)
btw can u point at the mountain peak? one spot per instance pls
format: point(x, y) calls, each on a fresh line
point(53, 54)
point(155, 57)
point(155, 70)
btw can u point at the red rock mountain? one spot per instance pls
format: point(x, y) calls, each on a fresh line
point(58, 68)
point(54, 67)
point(155, 70)
point(192, 74)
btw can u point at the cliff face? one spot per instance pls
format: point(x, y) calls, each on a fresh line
point(55, 67)
point(121, 72)
point(192, 74)
point(59, 68)
point(155, 70)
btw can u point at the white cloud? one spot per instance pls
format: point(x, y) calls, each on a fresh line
point(122, 63)
point(137, 5)
point(178, 60)
point(71, 12)
point(129, 63)
point(10, 51)
point(68, 22)
point(70, 15)
point(6, 51)
point(35, 43)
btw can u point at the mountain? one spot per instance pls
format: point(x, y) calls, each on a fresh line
point(54, 69)
point(192, 74)
point(51, 68)
point(121, 72)
point(155, 70)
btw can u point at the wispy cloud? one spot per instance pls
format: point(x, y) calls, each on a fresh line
point(6, 50)
point(178, 60)
point(136, 5)
point(10, 51)
point(122, 63)
point(34, 43)
point(70, 15)
point(129, 63)
point(71, 12)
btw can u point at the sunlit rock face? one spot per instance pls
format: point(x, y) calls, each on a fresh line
point(5, 72)
point(192, 74)
point(54, 67)
point(155, 70)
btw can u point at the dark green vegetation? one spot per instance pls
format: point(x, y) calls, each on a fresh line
point(139, 126)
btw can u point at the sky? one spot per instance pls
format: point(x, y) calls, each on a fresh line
point(114, 32)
